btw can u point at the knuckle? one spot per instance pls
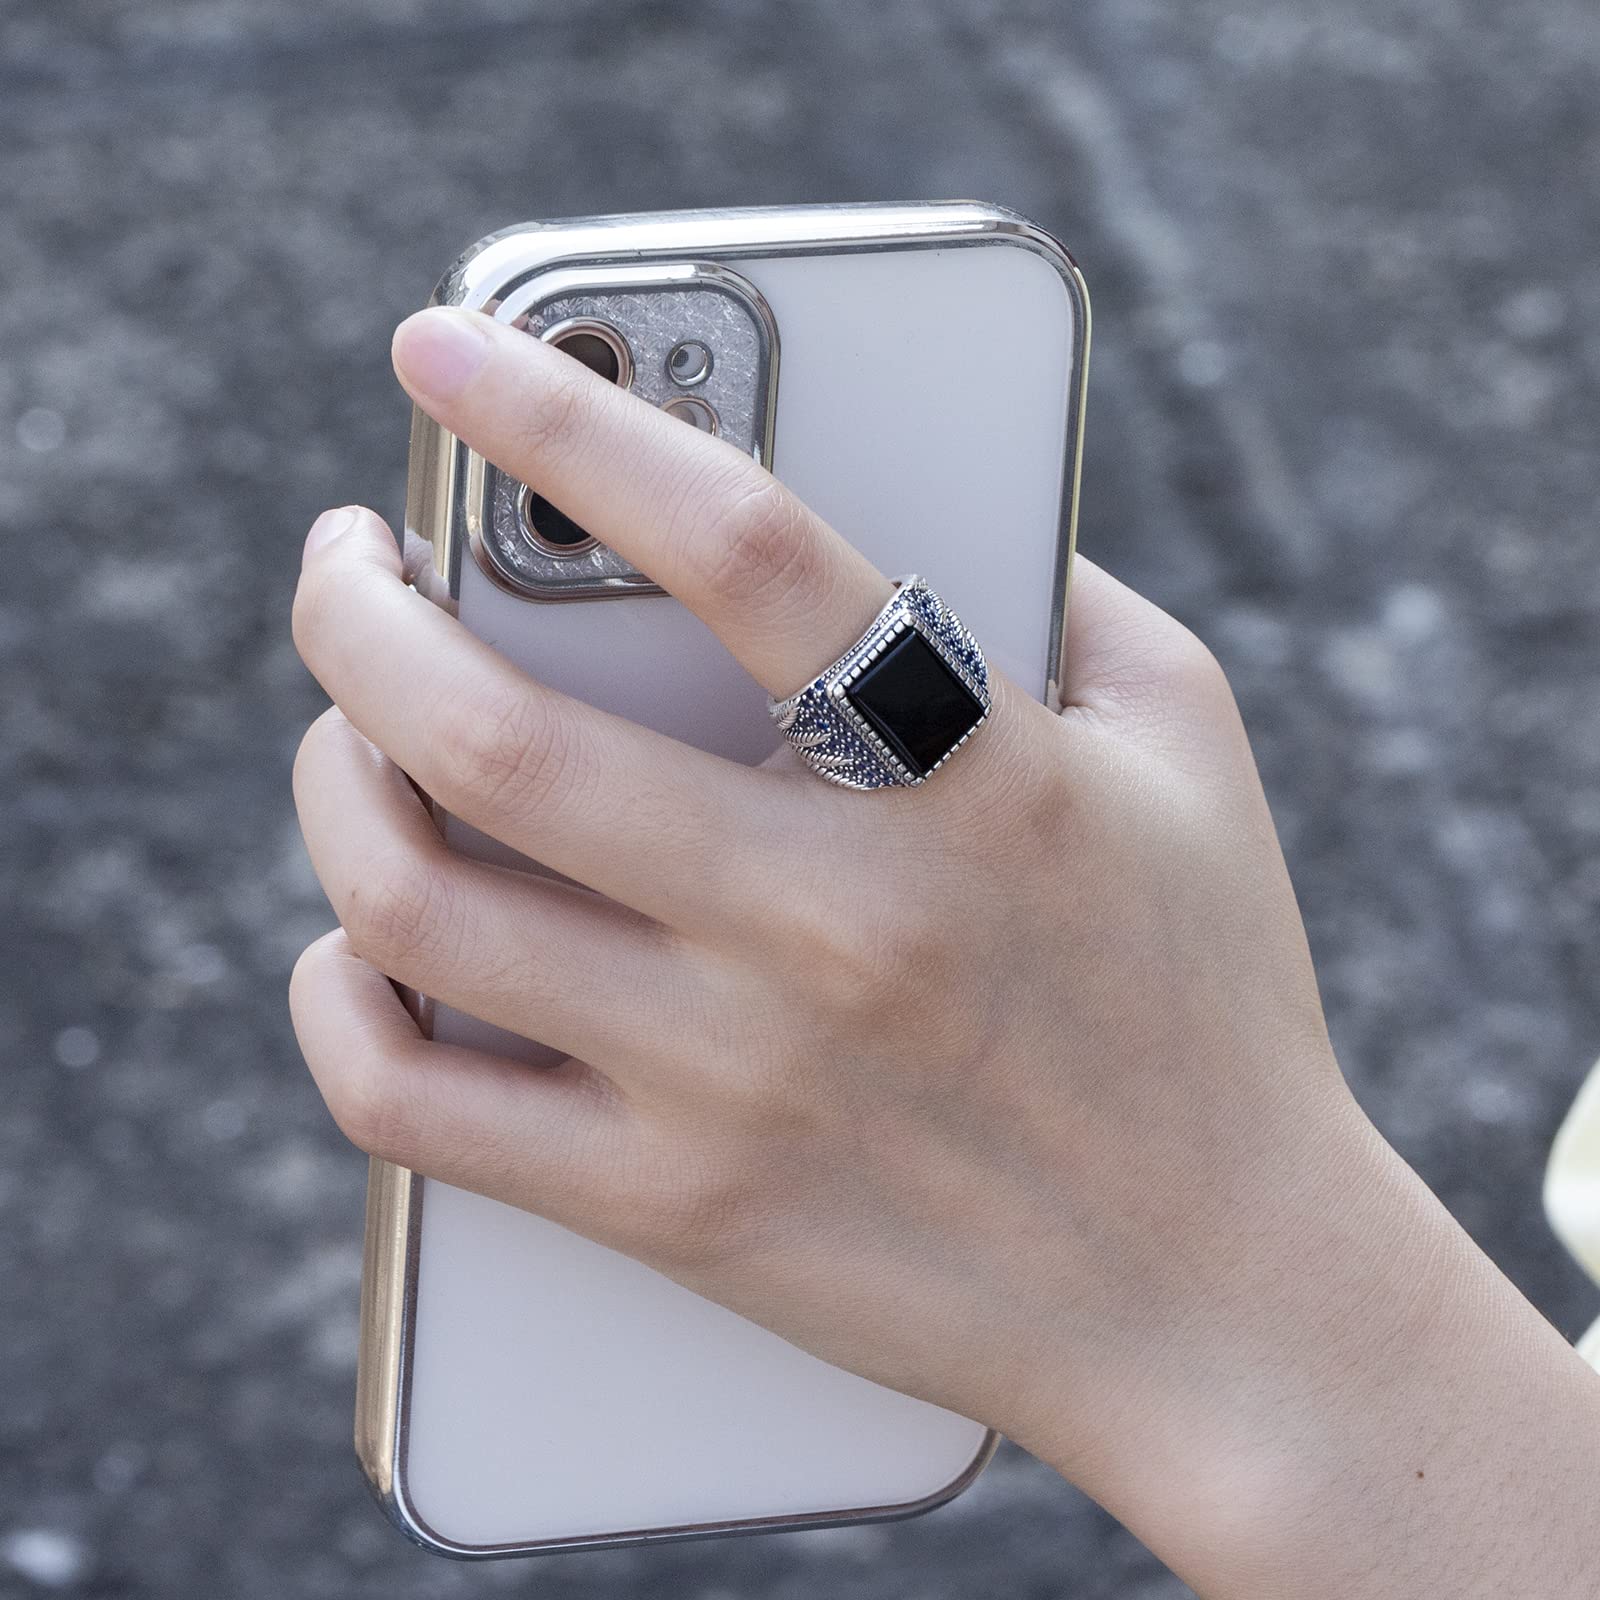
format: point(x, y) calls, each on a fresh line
point(761, 547)
point(367, 1102)
point(1031, 802)
point(698, 1207)
point(1151, 665)
point(1047, 813)
point(1192, 670)
point(1160, 657)
point(400, 912)
point(553, 416)
point(868, 964)
point(508, 750)
point(909, 955)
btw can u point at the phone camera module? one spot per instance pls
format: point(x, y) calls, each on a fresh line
point(689, 363)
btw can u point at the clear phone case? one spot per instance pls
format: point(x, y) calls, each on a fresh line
point(524, 1389)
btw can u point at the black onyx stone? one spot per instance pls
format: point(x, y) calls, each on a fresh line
point(915, 703)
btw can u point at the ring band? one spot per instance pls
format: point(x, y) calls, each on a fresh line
point(898, 703)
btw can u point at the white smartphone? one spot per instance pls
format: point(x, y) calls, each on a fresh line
point(916, 374)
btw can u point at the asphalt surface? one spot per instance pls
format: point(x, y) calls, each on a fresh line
point(1344, 407)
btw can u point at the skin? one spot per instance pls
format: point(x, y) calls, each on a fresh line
point(1078, 1162)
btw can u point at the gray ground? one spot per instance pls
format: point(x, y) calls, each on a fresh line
point(1345, 403)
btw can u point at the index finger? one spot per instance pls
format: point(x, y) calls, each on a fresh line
point(783, 591)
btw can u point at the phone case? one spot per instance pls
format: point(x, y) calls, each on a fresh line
point(521, 1388)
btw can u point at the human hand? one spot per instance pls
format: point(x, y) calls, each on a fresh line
point(1011, 1091)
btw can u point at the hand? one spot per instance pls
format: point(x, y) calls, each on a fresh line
point(1012, 1091)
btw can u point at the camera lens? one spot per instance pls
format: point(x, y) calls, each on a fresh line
point(599, 346)
point(548, 528)
point(694, 411)
point(689, 363)
point(593, 351)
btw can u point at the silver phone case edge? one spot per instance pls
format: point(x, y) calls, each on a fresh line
point(436, 495)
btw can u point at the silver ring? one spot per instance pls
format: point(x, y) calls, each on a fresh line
point(898, 703)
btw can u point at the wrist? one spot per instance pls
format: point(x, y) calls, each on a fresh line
point(1261, 1435)
point(1352, 1416)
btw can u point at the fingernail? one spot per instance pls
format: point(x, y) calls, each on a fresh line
point(328, 527)
point(438, 350)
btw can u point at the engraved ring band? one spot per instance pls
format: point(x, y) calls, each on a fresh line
point(894, 708)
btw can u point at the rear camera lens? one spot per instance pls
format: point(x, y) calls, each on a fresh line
point(593, 351)
point(548, 528)
point(686, 408)
point(599, 346)
point(689, 363)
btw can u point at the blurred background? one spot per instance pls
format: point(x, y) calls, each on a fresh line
point(1344, 407)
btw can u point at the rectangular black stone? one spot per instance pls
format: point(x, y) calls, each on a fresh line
point(915, 703)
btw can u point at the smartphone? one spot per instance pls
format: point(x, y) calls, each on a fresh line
point(916, 374)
